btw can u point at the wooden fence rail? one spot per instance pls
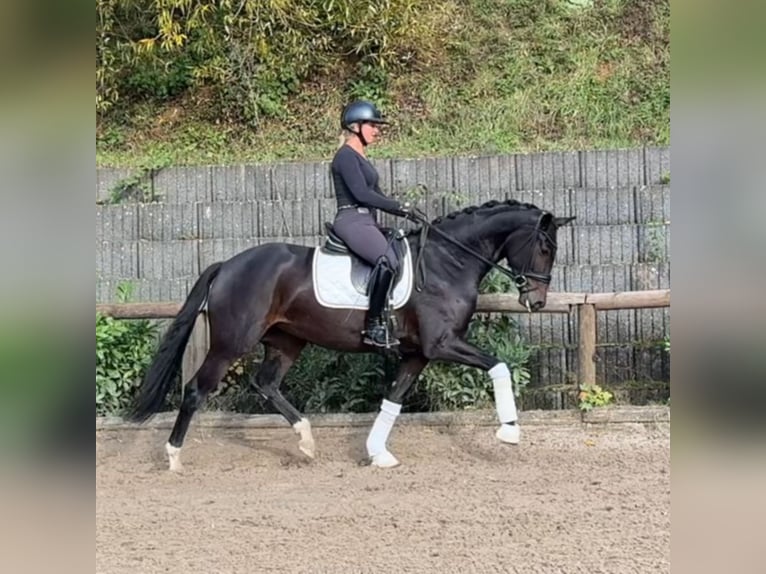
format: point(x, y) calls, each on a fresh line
point(586, 304)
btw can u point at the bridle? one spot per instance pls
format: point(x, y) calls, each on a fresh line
point(520, 278)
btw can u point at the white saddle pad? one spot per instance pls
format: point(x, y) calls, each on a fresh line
point(333, 288)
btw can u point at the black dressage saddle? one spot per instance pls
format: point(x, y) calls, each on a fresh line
point(360, 269)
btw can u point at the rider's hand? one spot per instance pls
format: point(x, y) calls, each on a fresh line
point(406, 207)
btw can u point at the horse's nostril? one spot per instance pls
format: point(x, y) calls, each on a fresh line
point(538, 305)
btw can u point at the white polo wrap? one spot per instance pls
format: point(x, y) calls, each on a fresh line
point(381, 428)
point(505, 403)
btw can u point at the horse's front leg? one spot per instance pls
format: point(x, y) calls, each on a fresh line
point(457, 350)
point(408, 371)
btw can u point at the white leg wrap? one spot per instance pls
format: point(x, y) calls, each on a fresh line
point(376, 441)
point(505, 403)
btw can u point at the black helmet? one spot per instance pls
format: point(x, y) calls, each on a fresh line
point(360, 111)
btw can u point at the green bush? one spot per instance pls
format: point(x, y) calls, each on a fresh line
point(470, 77)
point(321, 381)
point(154, 79)
point(252, 54)
point(592, 396)
point(124, 349)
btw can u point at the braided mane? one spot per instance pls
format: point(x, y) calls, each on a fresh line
point(510, 204)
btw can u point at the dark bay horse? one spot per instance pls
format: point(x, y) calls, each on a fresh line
point(265, 295)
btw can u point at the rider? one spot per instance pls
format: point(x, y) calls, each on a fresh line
point(358, 194)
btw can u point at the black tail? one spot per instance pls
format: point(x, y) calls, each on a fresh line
point(162, 372)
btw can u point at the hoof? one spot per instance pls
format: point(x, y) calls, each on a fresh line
point(306, 444)
point(307, 447)
point(509, 433)
point(384, 460)
point(174, 458)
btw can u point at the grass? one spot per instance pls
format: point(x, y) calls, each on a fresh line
point(514, 77)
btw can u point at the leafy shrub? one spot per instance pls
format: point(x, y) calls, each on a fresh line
point(345, 382)
point(124, 349)
point(154, 79)
point(253, 54)
point(369, 83)
point(321, 381)
point(592, 396)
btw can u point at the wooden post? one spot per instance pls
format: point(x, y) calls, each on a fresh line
point(587, 347)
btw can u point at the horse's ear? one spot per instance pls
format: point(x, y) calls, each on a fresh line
point(562, 221)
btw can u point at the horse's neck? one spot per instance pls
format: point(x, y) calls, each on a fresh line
point(488, 235)
point(484, 237)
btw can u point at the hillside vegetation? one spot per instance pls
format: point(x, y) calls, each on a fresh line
point(228, 81)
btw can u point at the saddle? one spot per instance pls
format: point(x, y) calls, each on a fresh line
point(360, 269)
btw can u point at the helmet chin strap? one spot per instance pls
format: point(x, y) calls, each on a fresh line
point(361, 137)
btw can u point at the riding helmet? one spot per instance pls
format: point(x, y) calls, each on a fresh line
point(360, 111)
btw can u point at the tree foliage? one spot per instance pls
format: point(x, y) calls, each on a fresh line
point(251, 54)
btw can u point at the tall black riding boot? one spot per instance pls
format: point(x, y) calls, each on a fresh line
point(376, 332)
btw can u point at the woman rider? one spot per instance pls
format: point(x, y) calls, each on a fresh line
point(357, 190)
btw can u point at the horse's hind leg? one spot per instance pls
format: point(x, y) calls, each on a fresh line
point(196, 390)
point(281, 351)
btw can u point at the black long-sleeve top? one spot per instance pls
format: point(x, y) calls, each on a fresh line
point(356, 182)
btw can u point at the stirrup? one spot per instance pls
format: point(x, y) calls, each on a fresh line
point(378, 336)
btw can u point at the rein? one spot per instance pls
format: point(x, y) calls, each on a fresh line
point(520, 280)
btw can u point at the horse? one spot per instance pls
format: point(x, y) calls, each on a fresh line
point(265, 295)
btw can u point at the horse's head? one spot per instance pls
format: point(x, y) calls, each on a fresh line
point(530, 251)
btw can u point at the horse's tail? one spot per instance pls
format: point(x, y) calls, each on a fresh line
point(161, 374)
